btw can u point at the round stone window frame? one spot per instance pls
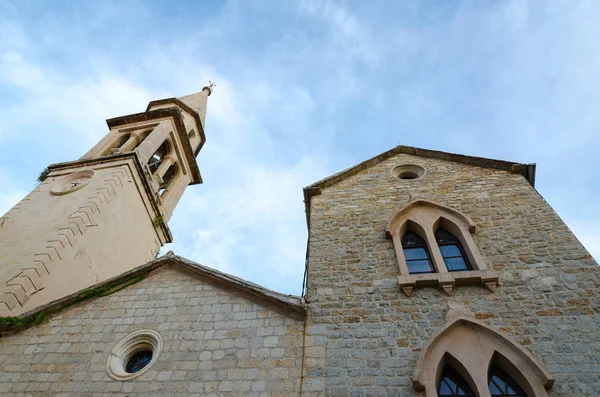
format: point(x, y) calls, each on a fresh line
point(127, 347)
point(408, 172)
point(62, 187)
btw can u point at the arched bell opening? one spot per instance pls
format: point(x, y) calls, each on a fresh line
point(167, 179)
point(159, 156)
point(116, 144)
point(194, 139)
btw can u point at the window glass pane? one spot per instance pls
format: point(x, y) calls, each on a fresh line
point(455, 264)
point(422, 266)
point(445, 390)
point(501, 384)
point(415, 253)
point(452, 384)
point(443, 236)
point(450, 250)
point(494, 389)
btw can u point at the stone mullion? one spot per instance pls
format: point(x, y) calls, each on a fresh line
point(153, 141)
point(129, 145)
point(434, 250)
point(164, 166)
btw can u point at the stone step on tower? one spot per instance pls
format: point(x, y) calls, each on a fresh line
point(102, 215)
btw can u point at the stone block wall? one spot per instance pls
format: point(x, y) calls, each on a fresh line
point(216, 343)
point(548, 298)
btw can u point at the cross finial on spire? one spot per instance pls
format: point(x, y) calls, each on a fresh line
point(211, 84)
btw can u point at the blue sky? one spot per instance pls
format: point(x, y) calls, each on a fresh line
point(304, 90)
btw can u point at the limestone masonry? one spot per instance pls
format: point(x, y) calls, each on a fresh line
point(428, 274)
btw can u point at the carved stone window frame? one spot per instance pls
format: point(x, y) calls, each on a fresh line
point(424, 218)
point(126, 348)
point(454, 345)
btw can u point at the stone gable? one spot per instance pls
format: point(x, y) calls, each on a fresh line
point(547, 299)
point(215, 343)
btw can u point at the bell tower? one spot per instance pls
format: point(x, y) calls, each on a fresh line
point(102, 215)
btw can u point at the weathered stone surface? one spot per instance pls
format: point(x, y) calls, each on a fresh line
point(214, 342)
point(547, 297)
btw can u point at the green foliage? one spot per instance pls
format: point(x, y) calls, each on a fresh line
point(43, 175)
point(16, 323)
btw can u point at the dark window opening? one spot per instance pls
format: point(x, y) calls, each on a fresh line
point(167, 178)
point(452, 384)
point(158, 157)
point(501, 384)
point(452, 251)
point(138, 361)
point(408, 175)
point(416, 254)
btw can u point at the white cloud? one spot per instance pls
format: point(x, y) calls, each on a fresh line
point(345, 83)
point(79, 105)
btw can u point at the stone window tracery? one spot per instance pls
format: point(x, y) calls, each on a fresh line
point(451, 384)
point(446, 238)
point(494, 366)
point(501, 384)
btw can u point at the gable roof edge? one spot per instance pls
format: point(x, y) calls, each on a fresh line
point(288, 305)
point(526, 170)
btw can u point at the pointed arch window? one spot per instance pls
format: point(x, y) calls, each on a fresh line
point(440, 250)
point(501, 384)
point(416, 254)
point(452, 251)
point(452, 384)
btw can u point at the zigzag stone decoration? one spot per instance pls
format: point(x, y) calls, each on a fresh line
point(31, 278)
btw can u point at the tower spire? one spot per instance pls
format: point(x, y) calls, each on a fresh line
point(198, 101)
point(98, 217)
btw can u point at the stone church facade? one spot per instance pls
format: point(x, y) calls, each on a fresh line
point(427, 274)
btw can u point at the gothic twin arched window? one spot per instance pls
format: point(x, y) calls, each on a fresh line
point(469, 358)
point(452, 384)
point(418, 259)
point(433, 245)
point(500, 384)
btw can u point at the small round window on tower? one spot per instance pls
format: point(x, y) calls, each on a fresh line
point(408, 171)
